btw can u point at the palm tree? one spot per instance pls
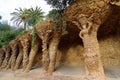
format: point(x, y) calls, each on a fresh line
point(27, 16)
point(20, 16)
point(35, 16)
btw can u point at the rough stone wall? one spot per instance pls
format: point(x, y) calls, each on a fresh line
point(71, 48)
point(88, 7)
point(73, 55)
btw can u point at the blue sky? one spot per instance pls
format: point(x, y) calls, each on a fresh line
point(8, 6)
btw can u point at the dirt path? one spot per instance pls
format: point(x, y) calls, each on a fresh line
point(62, 73)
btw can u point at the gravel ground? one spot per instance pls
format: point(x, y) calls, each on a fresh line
point(62, 73)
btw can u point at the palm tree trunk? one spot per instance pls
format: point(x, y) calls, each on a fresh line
point(53, 46)
point(25, 25)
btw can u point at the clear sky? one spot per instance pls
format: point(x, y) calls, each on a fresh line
point(8, 6)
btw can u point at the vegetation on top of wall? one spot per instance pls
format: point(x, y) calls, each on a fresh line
point(60, 4)
point(58, 19)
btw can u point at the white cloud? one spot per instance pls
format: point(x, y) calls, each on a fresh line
point(8, 6)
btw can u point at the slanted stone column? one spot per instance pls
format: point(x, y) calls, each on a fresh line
point(14, 52)
point(2, 53)
point(7, 50)
point(53, 47)
point(19, 57)
point(33, 52)
point(44, 31)
point(25, 41)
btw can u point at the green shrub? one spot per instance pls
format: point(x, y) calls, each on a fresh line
point(8, 33)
